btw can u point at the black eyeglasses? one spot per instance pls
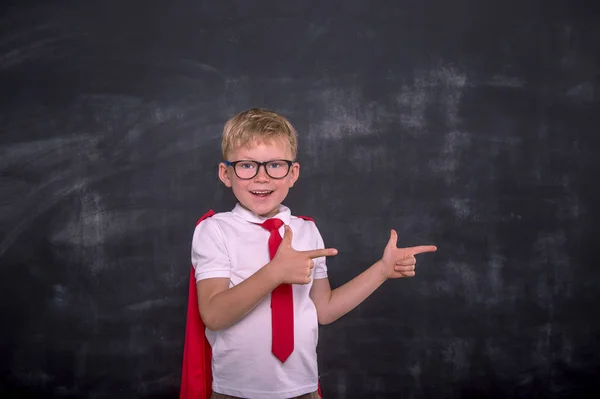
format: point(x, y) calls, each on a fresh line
point(246, 170)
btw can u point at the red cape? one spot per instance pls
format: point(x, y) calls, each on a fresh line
point(196, 373)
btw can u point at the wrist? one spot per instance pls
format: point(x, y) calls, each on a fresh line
point(273, 272)
point(382, 269)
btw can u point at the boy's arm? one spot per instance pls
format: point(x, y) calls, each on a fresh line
point(221, 306)
point(395, 263)
point(331, 305)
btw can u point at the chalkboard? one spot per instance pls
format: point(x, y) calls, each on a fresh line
point(469, 125)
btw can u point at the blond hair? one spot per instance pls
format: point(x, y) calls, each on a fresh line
point(257, 125)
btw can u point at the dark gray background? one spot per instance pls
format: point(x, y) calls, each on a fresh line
point(471, 125)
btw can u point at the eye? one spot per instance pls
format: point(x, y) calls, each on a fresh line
point(246, 165)
point(277, 164)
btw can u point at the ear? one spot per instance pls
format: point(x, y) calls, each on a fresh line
point(224, 174)
point(294, 173)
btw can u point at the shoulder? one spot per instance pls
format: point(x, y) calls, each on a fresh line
point(306, 218)
point(215, 217)
point(210, 222)
point(306, 228)
point(305, 224)
point(302, 220)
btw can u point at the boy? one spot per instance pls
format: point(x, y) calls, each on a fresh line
point(262, 286)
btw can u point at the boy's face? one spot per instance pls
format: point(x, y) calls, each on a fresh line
point(261, 194)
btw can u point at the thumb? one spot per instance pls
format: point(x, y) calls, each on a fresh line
point(393, 241)
point(287, 236)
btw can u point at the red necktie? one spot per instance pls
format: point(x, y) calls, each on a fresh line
point(282, 302)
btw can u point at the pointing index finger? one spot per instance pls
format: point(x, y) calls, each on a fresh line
point(419, 249)
point(319, 253)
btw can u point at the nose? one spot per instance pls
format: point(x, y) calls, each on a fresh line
point(262, 174)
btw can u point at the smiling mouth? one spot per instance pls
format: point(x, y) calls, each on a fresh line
point(261, 193)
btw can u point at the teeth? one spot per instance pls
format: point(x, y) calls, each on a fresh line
point(261, 192)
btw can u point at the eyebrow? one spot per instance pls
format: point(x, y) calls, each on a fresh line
point(256, 160)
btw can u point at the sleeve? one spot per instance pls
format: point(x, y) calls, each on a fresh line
point(209, 252)
point(320, 263)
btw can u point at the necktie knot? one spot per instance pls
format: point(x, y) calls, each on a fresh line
point(272, 224)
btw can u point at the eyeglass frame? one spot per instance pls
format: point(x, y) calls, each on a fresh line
point(264, 165)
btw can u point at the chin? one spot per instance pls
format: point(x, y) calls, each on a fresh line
point(263, 210)
point(265, 207)
point(267, 212)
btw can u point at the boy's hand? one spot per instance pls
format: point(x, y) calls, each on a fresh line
point(400, 262)
point(295, 267)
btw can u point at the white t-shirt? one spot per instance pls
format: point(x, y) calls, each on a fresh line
point(234, 246)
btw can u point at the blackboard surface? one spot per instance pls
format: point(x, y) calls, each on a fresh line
point(471, 125)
